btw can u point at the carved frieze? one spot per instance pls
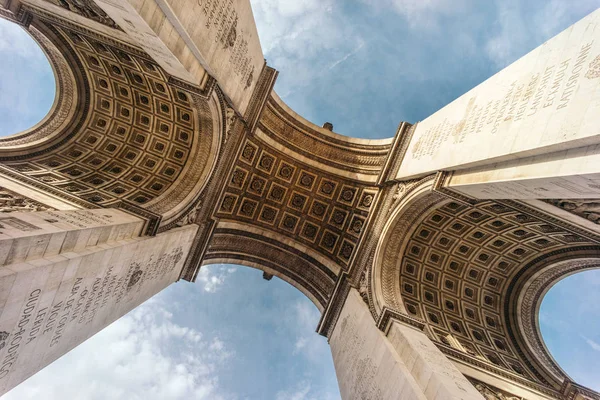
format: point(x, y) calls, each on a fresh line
point(492, 393)
point(584, 208)
point(14, 202)
point(88, 9)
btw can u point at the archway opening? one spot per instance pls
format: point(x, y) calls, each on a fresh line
point(27, 81)
point(231, 334)
point(569, 320)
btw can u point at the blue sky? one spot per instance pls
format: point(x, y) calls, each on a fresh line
point(26, 80)
point(363, 65)
point(570, 325)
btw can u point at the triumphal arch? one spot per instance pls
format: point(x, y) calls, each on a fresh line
point(167, 149)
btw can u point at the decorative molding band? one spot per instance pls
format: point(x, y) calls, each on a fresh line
point(19, 16)
point(388, 315)
point(204, 93)
point(475, 362)
point(60, 20)
point(258, 101)
point(334, 307)
point(10, 173)
point(404, 138)
point(192, 265)
point(152, 219)
point(575, 229)
point(440, 185)
point(396, 153)
point(571, 390)
point(247, 247)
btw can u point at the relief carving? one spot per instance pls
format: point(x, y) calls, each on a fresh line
point(363, 288)
point(14, 202)
point(492, 393)
point(585, 208)
point(88, 9)
point(230, 118)
point(190, 218)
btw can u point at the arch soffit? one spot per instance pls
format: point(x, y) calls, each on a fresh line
point(358, 159)
point(118, 130)
point(551, 251)
point(415, 202)
point(525, 296)
point(297, 264)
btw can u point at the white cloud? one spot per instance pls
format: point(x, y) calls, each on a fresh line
point(304, 391)
point(302, 37)
point(145, 355)
point(212, 277)
point(299, 393)
point(304, 319)
point(592, 344)
point(520, 27)
point(420, 14)
point(14, 39)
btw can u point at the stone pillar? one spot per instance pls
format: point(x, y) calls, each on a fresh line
point(437, 376)
point(546, 102)
point(68, 274)
point(403, 365)
point(195, 40)
point(568, 174)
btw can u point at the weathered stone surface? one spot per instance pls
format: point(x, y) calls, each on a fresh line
point(549, 100)
point(366, 364)
point(164, 110)
point(51, 304)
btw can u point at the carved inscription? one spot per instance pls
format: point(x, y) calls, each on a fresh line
point(80, 219)
point(18, 224)
point(104, 285)
point(553, 88)
point(360, 366)
point(221, 20)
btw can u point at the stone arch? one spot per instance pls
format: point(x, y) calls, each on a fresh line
point(69, 101)
point(414, 201)
point(121, 128)
point(473, 275)
point(302, 267)
point(525, 295)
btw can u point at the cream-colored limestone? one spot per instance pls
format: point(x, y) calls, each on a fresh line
point(547, 101)
point(500, 382)
point(36, 194)
point(434, 373)
point(568, 174)
point(366, 364)
point(147, 33)
point(27, 236)
point(50, 305)
point(49, 7)
point(404, 365)
point(191, 38)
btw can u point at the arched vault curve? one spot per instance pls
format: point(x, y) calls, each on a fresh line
point(524, 298)
point(475, 275)
point(307, 270)
point(120, 128)
point(384, 276)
